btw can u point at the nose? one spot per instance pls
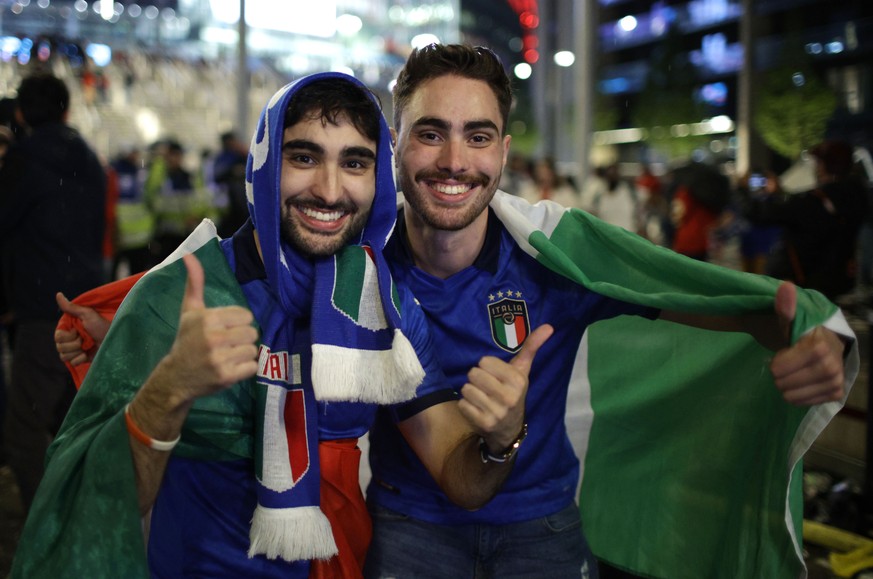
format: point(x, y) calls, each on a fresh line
point(453, 157)
point(327, 185)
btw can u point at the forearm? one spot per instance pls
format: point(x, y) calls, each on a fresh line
point(468, 480)
point(160, 416)
point(449, 448)
point(764, 327)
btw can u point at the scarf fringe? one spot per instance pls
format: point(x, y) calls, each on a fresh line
point(292, 534)
point(377, 376)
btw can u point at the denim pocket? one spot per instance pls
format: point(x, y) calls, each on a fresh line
point(565, 519)
point(383, 514)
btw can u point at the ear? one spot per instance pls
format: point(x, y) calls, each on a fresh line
point(393, 143)
point(506, 142)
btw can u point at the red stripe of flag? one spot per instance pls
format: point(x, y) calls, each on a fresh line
point(520, 330)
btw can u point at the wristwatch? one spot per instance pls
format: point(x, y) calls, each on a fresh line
point(507, 453)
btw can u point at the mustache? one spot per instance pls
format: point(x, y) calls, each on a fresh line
point(466, 178)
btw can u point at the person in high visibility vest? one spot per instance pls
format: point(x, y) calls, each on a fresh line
point(134, 219)
point(177, 200)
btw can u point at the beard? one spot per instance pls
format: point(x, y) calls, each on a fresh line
point(445, 217)
point(315, 244)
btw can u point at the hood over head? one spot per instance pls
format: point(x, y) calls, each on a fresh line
point(264, 171)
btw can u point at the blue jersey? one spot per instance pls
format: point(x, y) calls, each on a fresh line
point(487, 310)
point(201, 518)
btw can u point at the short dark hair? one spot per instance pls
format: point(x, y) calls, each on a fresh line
point(43, 98)
point(436, 60)
point(174, 146)
point(330, 98)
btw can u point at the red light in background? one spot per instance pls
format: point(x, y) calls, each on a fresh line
point(528, 20)
point(528, 17)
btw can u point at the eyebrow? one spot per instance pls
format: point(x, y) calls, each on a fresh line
point(304, 145)
point(364, 152)
point(439, 123)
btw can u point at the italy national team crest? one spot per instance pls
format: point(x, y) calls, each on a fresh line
point(509, 322)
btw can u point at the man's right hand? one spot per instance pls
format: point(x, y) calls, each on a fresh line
point(494, 397)
point(214, 347)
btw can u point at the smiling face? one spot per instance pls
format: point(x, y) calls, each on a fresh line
point(328, 184)
point(450, 152)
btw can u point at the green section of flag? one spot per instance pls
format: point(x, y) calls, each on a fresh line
point(500, 331)
point(625, 266)
point(686, 473)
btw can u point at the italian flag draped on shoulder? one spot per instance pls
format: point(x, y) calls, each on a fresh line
point(691, 460)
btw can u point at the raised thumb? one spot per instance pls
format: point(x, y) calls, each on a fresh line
point(69, 307)
point(524, 359)
point(786, 307)
point(193, 298)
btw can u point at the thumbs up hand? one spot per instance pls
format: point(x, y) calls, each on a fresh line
point(214, 347)
point(493, 399)
point(811, 370)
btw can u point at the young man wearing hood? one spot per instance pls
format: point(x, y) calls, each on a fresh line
point(290, 333)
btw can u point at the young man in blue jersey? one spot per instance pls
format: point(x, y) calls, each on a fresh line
point(263, 358)
point(481, 294)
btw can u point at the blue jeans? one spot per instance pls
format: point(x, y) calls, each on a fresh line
point(548, 547)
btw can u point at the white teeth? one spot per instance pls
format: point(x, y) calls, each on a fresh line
point(322, 215)
point(451, 189)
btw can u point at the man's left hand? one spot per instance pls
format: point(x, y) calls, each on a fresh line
point(810, 371)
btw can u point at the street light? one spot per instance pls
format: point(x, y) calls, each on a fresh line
point(348, 25)
point(522, 70)
point(565, 58)
point(422, 40)
point(562, 117)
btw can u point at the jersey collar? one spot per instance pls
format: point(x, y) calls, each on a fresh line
point(249, 265)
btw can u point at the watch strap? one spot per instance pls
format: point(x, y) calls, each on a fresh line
point(507, 454)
